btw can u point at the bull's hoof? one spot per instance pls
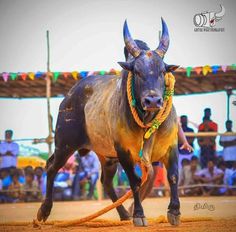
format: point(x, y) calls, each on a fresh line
point(137, 221)
point(44, 211)
point(173, 219)
point(125, 217)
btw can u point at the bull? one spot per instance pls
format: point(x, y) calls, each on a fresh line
point(95, 115)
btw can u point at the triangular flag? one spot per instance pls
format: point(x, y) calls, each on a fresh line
point(233, 66)
point(55, 76)
point(83, 74)
point(112, 71)
point(5, 76)
point(75, 75)
point(65, 74)
point(13, 76)
point(206, 69)
point(188, 71)
point(197, 70)
point(215, 68)
point(224, 68)
point(23, 76)
point(102, 72)
point(31, 75)
point(39, 74)
point(90, 73)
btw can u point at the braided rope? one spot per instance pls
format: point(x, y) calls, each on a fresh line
point(163, 112)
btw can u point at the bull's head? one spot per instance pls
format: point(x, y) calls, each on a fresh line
point(148, 69)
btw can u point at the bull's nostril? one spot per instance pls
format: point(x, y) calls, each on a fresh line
point(147, 101)
point(159, 101)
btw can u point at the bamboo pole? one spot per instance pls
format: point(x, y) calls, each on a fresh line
point(48, 95)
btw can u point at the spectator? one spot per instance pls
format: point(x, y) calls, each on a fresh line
point(227, 177)
point(229, 144)
point(40, 178)
point(207, 144)
point(183, 153)
point(31, 190)
point(88, 170)
point(9, 151)
point(15, 189)
point(187, 177)
point(210, 175)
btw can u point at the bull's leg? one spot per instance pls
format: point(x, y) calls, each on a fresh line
point(108, 171)
point(146, 187)
point(135, 182)
point(173, 213)
point(53, 165)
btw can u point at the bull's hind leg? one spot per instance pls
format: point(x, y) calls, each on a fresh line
point(57, 161)
point(173, 214)
point(135, 183)
point(109, 168)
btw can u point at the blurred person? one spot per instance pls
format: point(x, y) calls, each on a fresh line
point(88, 171)
point(63, 181)
point(210, 175)
point(30, 190)
point(229, 144)
point(187, 177)
point(227, 177)
point(207, 144)
point(9, 151)
point(184, 153)
point(28, 169)
point(40, 178)
point(15, 189)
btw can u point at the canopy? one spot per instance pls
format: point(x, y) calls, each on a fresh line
point(188, 81)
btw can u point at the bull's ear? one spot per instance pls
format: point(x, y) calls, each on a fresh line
point(126, 65)
point(171, 68)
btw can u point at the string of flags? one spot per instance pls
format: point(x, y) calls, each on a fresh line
point(83, 74)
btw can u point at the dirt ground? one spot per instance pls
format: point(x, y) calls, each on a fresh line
point(198, 214)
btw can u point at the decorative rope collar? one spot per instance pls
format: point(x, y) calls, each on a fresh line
point(163, 112)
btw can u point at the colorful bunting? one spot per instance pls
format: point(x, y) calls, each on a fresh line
point(75, 75)
point(188, 71)
point(5, 76)
point(55, 76)
point(23, 76)
point(224, 68)
point(13, 76)
point(197, 70)
point(206, 69)
point(83, 74)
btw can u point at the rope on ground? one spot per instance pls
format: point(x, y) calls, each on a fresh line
point(108, 223)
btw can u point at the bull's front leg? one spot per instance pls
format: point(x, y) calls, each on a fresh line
point(135, 183)
point(173, 214)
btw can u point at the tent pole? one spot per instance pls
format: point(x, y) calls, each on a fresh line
point(48, 95)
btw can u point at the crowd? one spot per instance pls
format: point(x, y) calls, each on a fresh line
point(206, 174)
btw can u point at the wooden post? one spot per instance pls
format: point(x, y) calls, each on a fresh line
point(48, 95)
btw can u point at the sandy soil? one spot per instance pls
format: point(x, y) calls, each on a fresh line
point(198, 214)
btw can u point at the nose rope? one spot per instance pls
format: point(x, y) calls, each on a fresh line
point(163, 112)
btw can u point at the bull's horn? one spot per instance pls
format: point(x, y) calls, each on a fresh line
point(221, 13)
point(130, 44)
point(164, 41)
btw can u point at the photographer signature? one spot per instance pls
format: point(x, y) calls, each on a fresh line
point(198, 206)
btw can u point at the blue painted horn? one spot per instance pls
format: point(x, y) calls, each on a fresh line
point(130, 44)
point(164, 41)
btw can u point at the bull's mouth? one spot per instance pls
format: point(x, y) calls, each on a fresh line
point(152, 109)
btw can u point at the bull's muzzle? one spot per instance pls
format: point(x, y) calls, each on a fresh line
point(152, 103)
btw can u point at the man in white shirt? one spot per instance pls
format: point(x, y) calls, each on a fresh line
point(9, 151)
point(211, 175)
point(229, 144)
